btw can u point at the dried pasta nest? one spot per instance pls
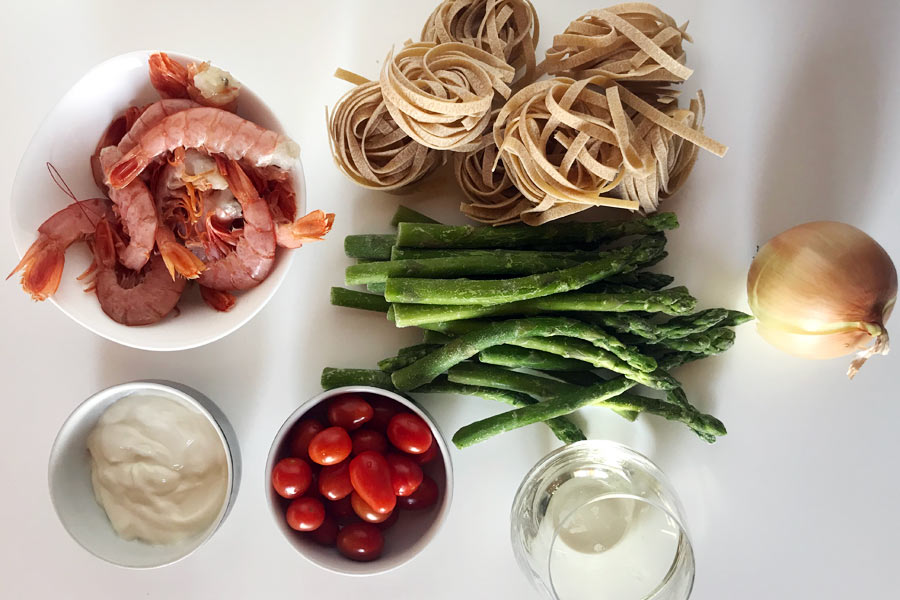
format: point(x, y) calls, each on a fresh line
point(441, 94)
point(674, 157)
point(625, 42)
point(491, 196)
point(508, 29)
point(367, 144)
point(566, 144)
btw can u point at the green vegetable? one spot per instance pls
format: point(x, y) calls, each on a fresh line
point(709, 342)
point(498, 263)
point(466, 291)
point(526, 358)
point(675, 328)
point(332, 378)
point(539, 388)
point(426, 369)
point(405, 357)
point(610, 394)
point(372, 245)
point(673, 301)
point(335, 378)
point(405, 214)
point(426, 253)
point(419, 235)
point(593, 345)
point(360, 300)
point(376, 288)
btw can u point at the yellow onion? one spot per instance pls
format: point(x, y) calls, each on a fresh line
point(823, 290)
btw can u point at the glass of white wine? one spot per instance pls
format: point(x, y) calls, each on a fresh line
point(597, 520)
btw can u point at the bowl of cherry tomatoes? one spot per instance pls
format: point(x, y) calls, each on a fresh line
point(359, 480)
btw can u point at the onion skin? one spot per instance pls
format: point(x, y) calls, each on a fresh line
point(823, 290)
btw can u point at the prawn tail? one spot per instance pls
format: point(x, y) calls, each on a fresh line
point(311, 228)
point(217, 299)
point(168, 76)
point(179, 259)
point(125, 171)
point(42, 268)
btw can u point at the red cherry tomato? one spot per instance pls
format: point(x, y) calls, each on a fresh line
point(426, 456)
point(360, 541)
point(291, 477)
point(330, 446)
point(349, 411)
point(389, 522)
point(303, 432)
point(422, 498)
point(371, 478)
point(341, 509)
point(406, 475)
point(326, 533)
point(366, 439)
point(366, 512)
point(384, 409)
point(409, 433)
point(305, 514)
point(334, 481)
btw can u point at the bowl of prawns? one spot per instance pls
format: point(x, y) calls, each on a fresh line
point(165, 214)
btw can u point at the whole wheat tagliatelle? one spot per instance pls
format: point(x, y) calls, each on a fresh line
point(634, 41)
point(441, 94)
point(367, 144)
point(491, 196)
point(508, 29)
point(568, 144)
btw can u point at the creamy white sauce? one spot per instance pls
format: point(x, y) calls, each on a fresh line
point(159, 469)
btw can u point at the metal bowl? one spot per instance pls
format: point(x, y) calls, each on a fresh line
point(403, 541)
point(72, 493)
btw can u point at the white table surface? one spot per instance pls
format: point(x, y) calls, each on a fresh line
point(798, 501)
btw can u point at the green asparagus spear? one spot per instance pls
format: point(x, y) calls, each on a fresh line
point(593, 345)
point(673, 302)
point(497, 263)
point(406, 357)
point(735, 318)
point(564, 429)
point(643, 280)
point(709, 342)
point(335, 378)
point(376, 288)
point(332, 378)
point(466, 291)
point(539, 388)
point(373, 245)
point(526, 358)
point(675, 328)
point(405, 214)
point(360, 300)
point(398, 253)
point(517, 236)
point(470, 344)
point(600, 394)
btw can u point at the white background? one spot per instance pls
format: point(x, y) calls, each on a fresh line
point(800, 500)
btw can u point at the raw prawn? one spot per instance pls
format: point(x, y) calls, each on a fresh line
point(114, 133)
point(217, 299)
point(149, 118)
point(43, 263)
point(138, 298)
point(138, 214)
point(253, 256)
point(210, 129)
point(311, 228)
point(176, 257)
point(203, 83)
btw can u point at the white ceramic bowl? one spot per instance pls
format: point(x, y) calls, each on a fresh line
point(412, 532)
point(72, 493)
point(66, 139)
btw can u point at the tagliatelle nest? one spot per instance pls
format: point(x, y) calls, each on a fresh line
point(629, 42)
point(673, 155)
point(367, 144)
point(491, 196)
point(567, 145)
point(441, 94)
point(508, 29)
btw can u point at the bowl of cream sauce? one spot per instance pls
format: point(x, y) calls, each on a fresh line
point(143, 473)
